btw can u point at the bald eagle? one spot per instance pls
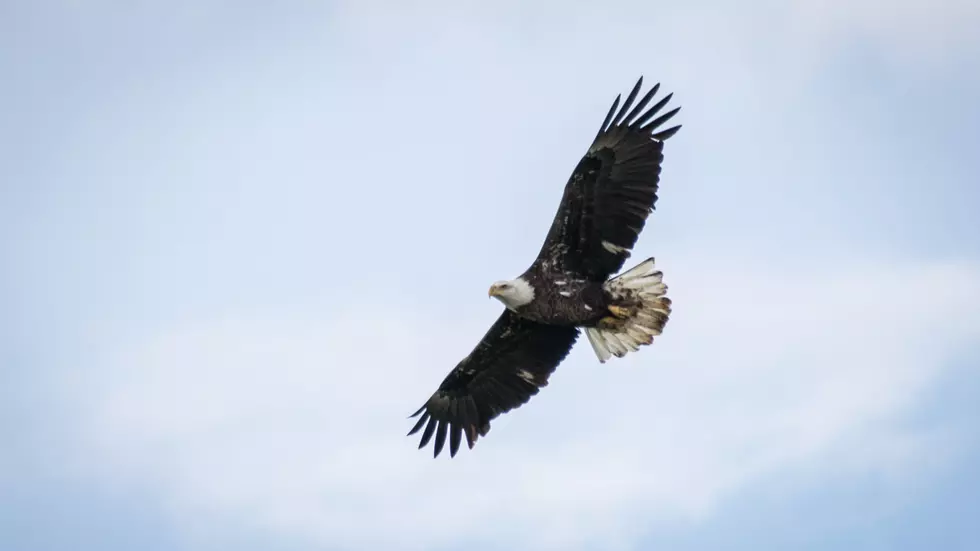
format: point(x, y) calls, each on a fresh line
point(567, 288)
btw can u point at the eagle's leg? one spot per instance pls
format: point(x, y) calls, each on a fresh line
point(610, 322)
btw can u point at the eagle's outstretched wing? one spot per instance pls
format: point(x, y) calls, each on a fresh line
point(508, 366)
point(612, 190)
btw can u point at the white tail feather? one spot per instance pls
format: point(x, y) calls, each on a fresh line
point(642, 291)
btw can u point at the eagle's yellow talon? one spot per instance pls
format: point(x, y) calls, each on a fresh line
point(608, 322)
point(619, 311)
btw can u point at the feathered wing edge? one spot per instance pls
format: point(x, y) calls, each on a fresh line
point(612, 189)
point(643, 124)
point(509, 365)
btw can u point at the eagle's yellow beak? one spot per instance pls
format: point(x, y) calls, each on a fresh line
point(494, 290)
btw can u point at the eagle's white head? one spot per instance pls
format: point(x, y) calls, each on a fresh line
point(513, 293)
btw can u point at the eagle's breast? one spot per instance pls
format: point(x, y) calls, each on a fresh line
point(561, 299)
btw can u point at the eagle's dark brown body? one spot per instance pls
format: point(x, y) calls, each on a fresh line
point(561, 300)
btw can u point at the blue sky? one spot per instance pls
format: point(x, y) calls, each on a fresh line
point(241, 244)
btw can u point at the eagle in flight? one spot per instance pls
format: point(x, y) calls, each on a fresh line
point(603, 209)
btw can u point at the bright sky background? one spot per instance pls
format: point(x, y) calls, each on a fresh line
point(241, 243)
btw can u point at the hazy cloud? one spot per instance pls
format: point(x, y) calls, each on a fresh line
point(297, 425)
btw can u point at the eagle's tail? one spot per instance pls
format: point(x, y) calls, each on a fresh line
point(639, 311)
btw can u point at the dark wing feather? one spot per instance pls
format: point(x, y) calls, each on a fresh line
point(612, 190)
point(509, 365)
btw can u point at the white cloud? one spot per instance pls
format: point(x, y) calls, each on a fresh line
point(688, 39)
point(296, 426)
point(909, 31)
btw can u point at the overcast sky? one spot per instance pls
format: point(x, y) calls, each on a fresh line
point(241, 243)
